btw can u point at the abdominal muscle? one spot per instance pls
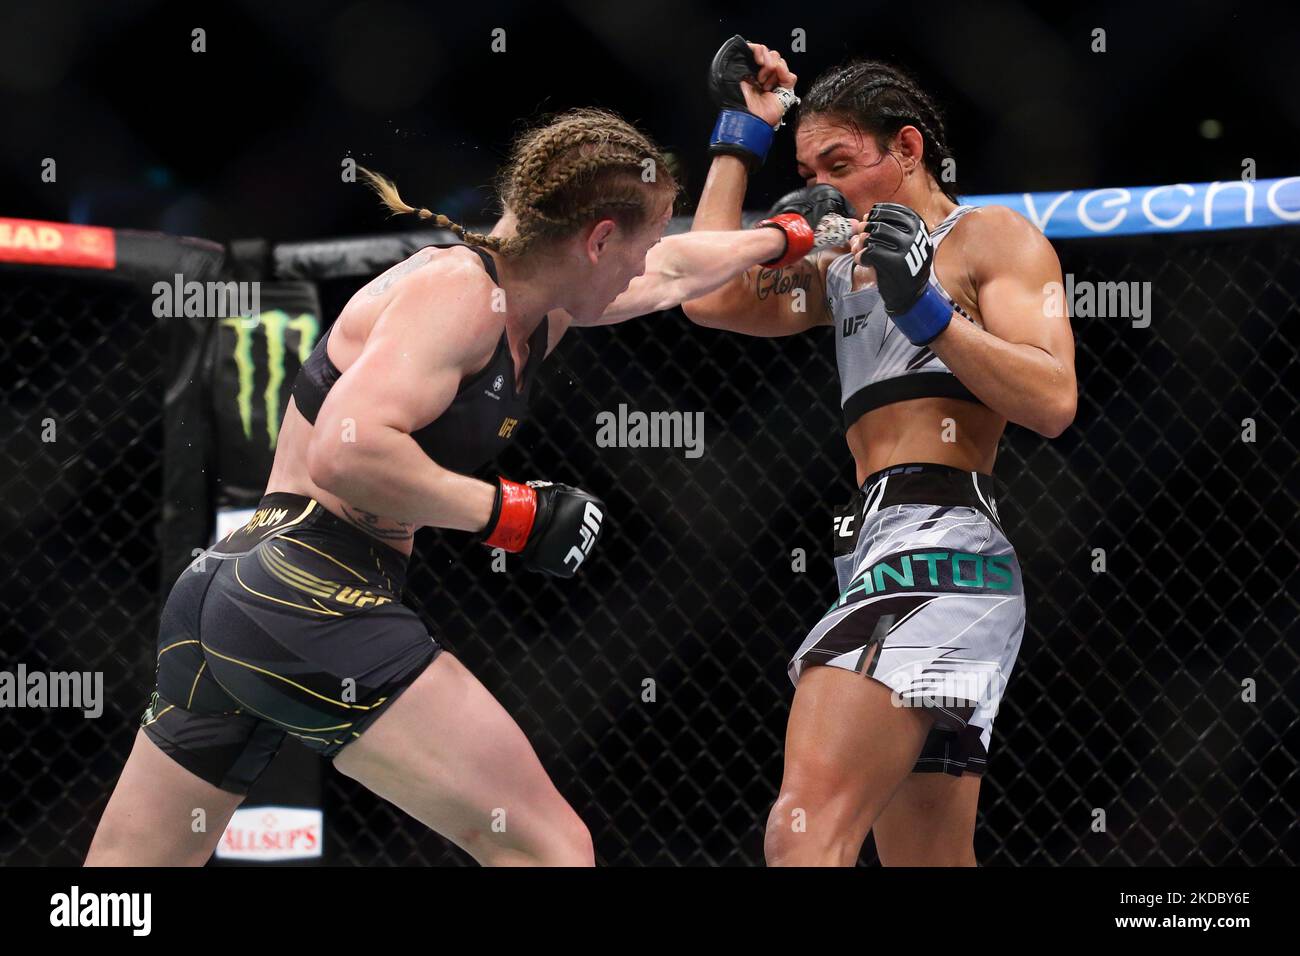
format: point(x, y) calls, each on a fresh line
point(915, 431)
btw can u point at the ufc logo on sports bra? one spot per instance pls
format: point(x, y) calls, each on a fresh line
point(590, 530)
point(916, 255)
point(853, 324)
point(507, 426)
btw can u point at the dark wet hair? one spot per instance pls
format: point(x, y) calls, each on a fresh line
point(881, 99)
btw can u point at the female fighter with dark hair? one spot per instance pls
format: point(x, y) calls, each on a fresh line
point(944, 332)
point(293, 624)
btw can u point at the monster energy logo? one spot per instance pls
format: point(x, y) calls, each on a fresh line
point(273, 325)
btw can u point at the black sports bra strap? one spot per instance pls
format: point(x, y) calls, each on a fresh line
point(488, 263)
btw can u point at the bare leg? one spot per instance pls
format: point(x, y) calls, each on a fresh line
point(153, 818)
point(930, 821)
point(847, 749)
point(449, 755)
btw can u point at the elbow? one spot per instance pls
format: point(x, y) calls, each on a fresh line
point(700, 312)
point(330, 463)
point(1058, 415)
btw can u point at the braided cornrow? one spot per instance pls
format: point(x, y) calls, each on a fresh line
point(389, 196)
point(882, 99)
point(580, 166)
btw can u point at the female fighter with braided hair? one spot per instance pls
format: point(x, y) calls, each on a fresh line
point(293, 624)
point(945, 331)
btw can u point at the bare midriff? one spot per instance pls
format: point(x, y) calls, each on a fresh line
point(945, 431)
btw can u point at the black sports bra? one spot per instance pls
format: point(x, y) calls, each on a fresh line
point(482, 417)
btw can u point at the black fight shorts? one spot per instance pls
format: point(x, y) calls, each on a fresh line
point(292, 624)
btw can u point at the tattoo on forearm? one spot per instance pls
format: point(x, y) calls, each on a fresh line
point(378, 526)
point(781, 281)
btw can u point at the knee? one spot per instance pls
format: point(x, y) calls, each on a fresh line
point(570, 845)
point(119, 844)
point(563, 841)
point(805, 829)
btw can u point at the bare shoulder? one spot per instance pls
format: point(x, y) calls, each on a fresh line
point(454, 271)
point(995, 237)
point(447, 304)
point(997, 226)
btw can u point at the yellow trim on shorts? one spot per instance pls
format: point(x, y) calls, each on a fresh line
point(327, 557)
point(307, 690)
point(301, 607)
point(287, 574)
point(158, 715)
point(195, 685)
point(306, 575)
point(177, 644)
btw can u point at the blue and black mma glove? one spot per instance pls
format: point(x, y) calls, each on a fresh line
point(739, 132)
point(898, 247)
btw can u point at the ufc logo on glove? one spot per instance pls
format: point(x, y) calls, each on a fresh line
point(588, 532)
point(916, 256)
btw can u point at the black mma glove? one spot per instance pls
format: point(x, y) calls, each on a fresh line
point(825, 210)
point(898, 248)
point(814, 203)
point(552, 527)
point(739, 132)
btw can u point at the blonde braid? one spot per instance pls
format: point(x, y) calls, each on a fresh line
point(386, 189)
point(583, 164)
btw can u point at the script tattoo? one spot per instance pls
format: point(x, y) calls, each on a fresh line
point(385, 282)
point(378, 526)
point(782, 281)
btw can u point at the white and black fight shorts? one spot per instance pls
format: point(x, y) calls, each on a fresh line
point(931, 604)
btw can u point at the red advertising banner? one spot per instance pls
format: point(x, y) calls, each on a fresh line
point(57, 244)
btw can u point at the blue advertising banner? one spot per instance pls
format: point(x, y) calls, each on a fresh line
point(1138, 210)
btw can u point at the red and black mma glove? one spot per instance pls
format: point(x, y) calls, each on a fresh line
point(738, 132)
point(552, 527)
point(814, 217)
point(898, 247)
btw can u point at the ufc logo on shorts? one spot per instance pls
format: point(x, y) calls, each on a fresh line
point(588, 533)
point(916, 255)
point(844, 526)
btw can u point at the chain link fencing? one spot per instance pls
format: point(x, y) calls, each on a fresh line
point(1152, 716)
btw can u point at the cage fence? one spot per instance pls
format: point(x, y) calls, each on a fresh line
point(1161, 689)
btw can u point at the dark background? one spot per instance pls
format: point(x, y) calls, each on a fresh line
point(1127, 696)
point(247, 139)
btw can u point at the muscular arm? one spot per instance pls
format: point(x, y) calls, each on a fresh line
point(691, 264)
point(1021, 364)
point(758, 301)
point(361, 447)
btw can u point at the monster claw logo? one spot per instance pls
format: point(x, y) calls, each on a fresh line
point(273, 324)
